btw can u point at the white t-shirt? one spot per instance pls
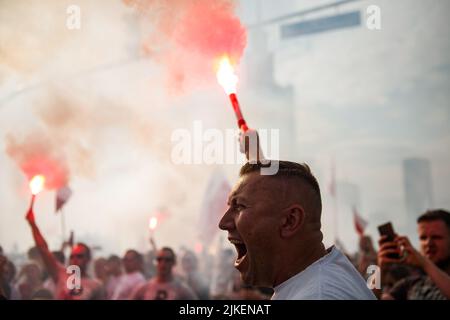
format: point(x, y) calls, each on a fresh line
point(126, 284)
point(172, 290)
point(332, 277)
point(111, 285)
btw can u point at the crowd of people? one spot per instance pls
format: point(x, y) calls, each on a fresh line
point(406, 273)
point(158, 274)
point(274, 222)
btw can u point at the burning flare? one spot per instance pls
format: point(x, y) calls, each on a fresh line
point(37, 184)
point(226, 76)
point(153, 222)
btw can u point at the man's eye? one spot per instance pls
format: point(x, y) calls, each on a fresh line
point(239, 206)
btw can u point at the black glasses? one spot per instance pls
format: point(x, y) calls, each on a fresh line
point(166, 259)
point(78, 256)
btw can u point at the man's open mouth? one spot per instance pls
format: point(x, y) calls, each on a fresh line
point(241, 250)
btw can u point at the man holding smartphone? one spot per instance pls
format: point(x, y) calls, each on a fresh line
point(433, 259)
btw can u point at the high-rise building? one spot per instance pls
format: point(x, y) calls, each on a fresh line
point(418, 188)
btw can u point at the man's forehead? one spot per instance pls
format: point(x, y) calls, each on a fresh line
point(436, 226)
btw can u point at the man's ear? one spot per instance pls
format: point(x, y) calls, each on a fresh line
point(293, 219)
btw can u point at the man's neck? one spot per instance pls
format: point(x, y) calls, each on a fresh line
point(305, 256)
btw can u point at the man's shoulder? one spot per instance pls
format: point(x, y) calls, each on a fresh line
point(340, 279)
point(329, 278)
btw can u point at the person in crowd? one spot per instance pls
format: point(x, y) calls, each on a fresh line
point(34, 256)
point(393, 273)
point(367, 255)
point(7, 279)
point(114, 269)
point(29, 280)
point(192, 276)
point(132, 278)
point(49, 284)
point(221, 286)
point(164, 286)
point(80, 285)
point(274, 223)
point(433, 283)
point(100, 270)
point(4, 285)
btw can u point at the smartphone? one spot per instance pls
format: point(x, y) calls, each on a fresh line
point(388, 230)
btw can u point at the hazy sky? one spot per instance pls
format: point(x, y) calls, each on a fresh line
point(367, 99)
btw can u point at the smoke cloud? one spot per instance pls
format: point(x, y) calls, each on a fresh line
point(187, 37)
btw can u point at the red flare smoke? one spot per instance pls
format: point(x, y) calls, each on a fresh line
point(34, 157)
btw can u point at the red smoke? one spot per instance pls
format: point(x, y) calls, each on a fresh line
point(211, 29)
point(34, 156)
point(188, 36)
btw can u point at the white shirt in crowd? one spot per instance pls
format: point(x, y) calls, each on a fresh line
point(332, 277)
point(126, 284)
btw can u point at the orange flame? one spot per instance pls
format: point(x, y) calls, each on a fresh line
point(153, 223)
point(37, 184)
point(226, 76)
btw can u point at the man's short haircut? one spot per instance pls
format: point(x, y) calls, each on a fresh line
point(433, 215)
point(136, 254)
point(291, 170)
point(33, 253)
point(170, 250)
point(114, 258)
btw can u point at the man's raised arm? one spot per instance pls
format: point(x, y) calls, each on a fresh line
point(53, 266)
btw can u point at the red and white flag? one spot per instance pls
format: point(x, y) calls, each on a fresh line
point(360, 223)
point(62, 196)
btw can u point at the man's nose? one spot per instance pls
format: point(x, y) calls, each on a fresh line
point(427, 241)
point(227, 222)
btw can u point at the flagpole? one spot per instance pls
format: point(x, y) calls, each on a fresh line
point(63, 225)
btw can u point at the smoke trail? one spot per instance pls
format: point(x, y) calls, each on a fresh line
point(35, 154)
point(55, 145)
point(188, 36)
